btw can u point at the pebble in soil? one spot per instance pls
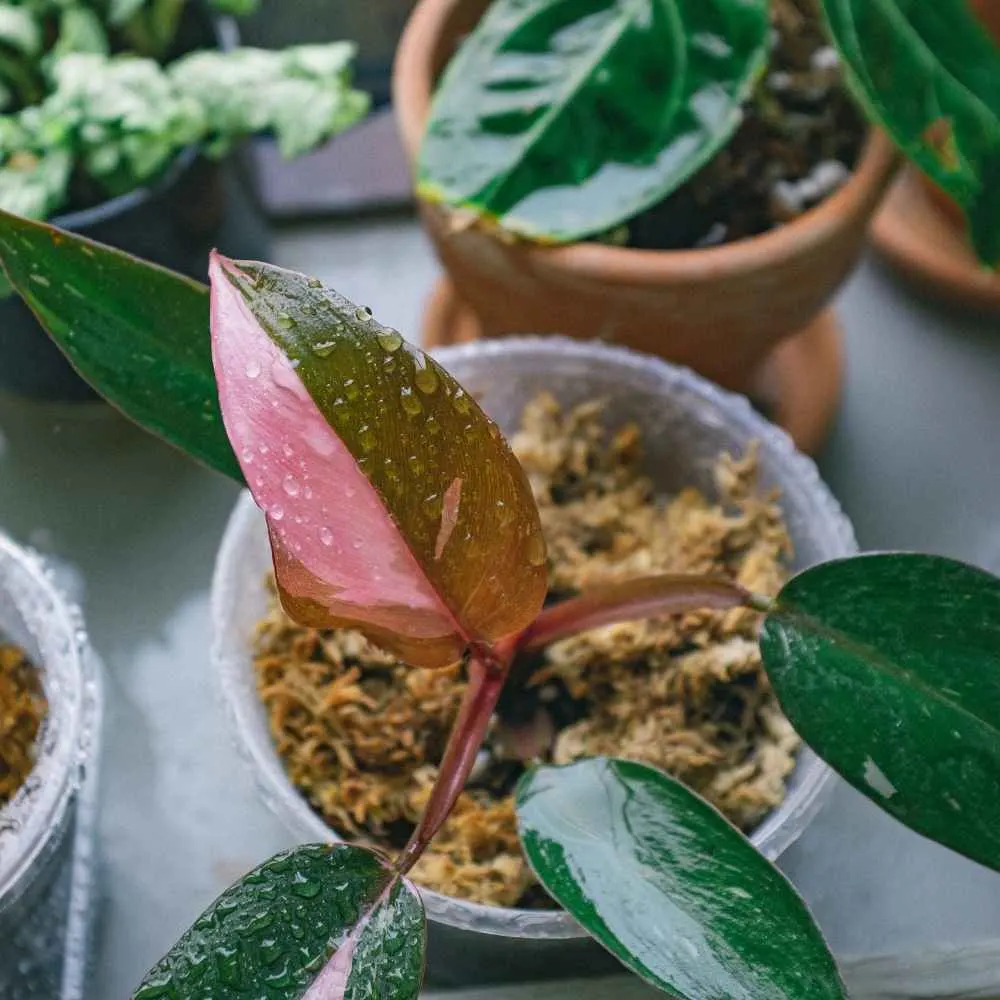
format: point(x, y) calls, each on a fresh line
point(361, 734)
point(800, 139)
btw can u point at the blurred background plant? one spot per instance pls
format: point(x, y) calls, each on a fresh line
point(99, 96)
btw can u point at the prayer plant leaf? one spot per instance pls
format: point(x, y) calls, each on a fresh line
point(394, 504)
point(560, 120)
point(668, 886)
point(321, 922)
point(929, 74)
point(889, 668)
point(139, 334)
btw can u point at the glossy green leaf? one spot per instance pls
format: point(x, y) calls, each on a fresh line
point(314, 923)
point(394, 504)
point(667, 885)
point(561, 119)
point(889, 668)
point(928, 73)
point(139, 334)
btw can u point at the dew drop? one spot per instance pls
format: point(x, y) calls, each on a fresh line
point(324, 348)
point(389, 340)
point(314, 283)
point(426, 380)
point(40, 279)
point(247, 455)
point(363, 315)
point(285, 321)
point(253, 369)
point(308, 493)
point(357, 544)
point(366, 437)
point(351, 389)
point(494, 430)
point(536, 551)
point(305, 887)
point(263, 449)
point(326, 536)
point(411, 404)
point(460, 401)
point(291, 486)
point(277, 513)
point(286, 450)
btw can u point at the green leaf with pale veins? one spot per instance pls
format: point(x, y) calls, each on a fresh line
point(560, 119)
point(889, 668)
point(668, 886)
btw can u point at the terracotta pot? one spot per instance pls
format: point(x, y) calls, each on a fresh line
point(720, 311)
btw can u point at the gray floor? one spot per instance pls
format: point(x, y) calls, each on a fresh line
point(913, 459)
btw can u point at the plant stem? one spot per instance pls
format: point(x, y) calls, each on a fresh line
point(488, 668)
point(648, 597)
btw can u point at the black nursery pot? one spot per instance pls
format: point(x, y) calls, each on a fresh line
point(175, 221)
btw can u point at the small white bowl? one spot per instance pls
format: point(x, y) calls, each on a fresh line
point(46, 831)
point(686, 423)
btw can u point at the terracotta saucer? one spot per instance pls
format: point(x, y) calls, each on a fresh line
point(919, 238)
point(799, 387)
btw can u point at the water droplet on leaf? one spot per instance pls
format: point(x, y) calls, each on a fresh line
point(314, 283)
point(326, 536)
point(324, 348)
point(426, 380)
point(291, 486)
point(253, 369)
point(536, 551)
point(411, 404)
point(285, 321)
point(389, 340)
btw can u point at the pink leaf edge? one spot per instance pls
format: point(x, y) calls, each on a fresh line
point(334, 543)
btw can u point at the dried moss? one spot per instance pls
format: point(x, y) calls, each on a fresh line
point(361, 734)
point(22, 709)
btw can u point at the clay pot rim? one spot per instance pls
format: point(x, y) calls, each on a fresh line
point(877, 165)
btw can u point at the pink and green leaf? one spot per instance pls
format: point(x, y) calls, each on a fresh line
point(320, 922)
point(393, 502)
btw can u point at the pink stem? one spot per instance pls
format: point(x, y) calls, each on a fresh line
point(648, 597)
point(488, 668)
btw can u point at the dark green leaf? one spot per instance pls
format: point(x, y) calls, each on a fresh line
point(271, 934)
point(659, 878)
point(889, 667)
point(561, 120)
point(137, 333)
point(928, 73)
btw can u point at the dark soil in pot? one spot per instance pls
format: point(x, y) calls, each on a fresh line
point(800, 138)
point(22, 711)
point(175, 221)
point(361, 734)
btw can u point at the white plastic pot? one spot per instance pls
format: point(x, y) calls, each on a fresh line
point(686, 423)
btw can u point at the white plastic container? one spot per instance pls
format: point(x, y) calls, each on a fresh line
point(47, 857)
point(686, 423)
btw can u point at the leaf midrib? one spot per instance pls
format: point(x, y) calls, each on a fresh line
point(881, 663)
point(586, 72)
